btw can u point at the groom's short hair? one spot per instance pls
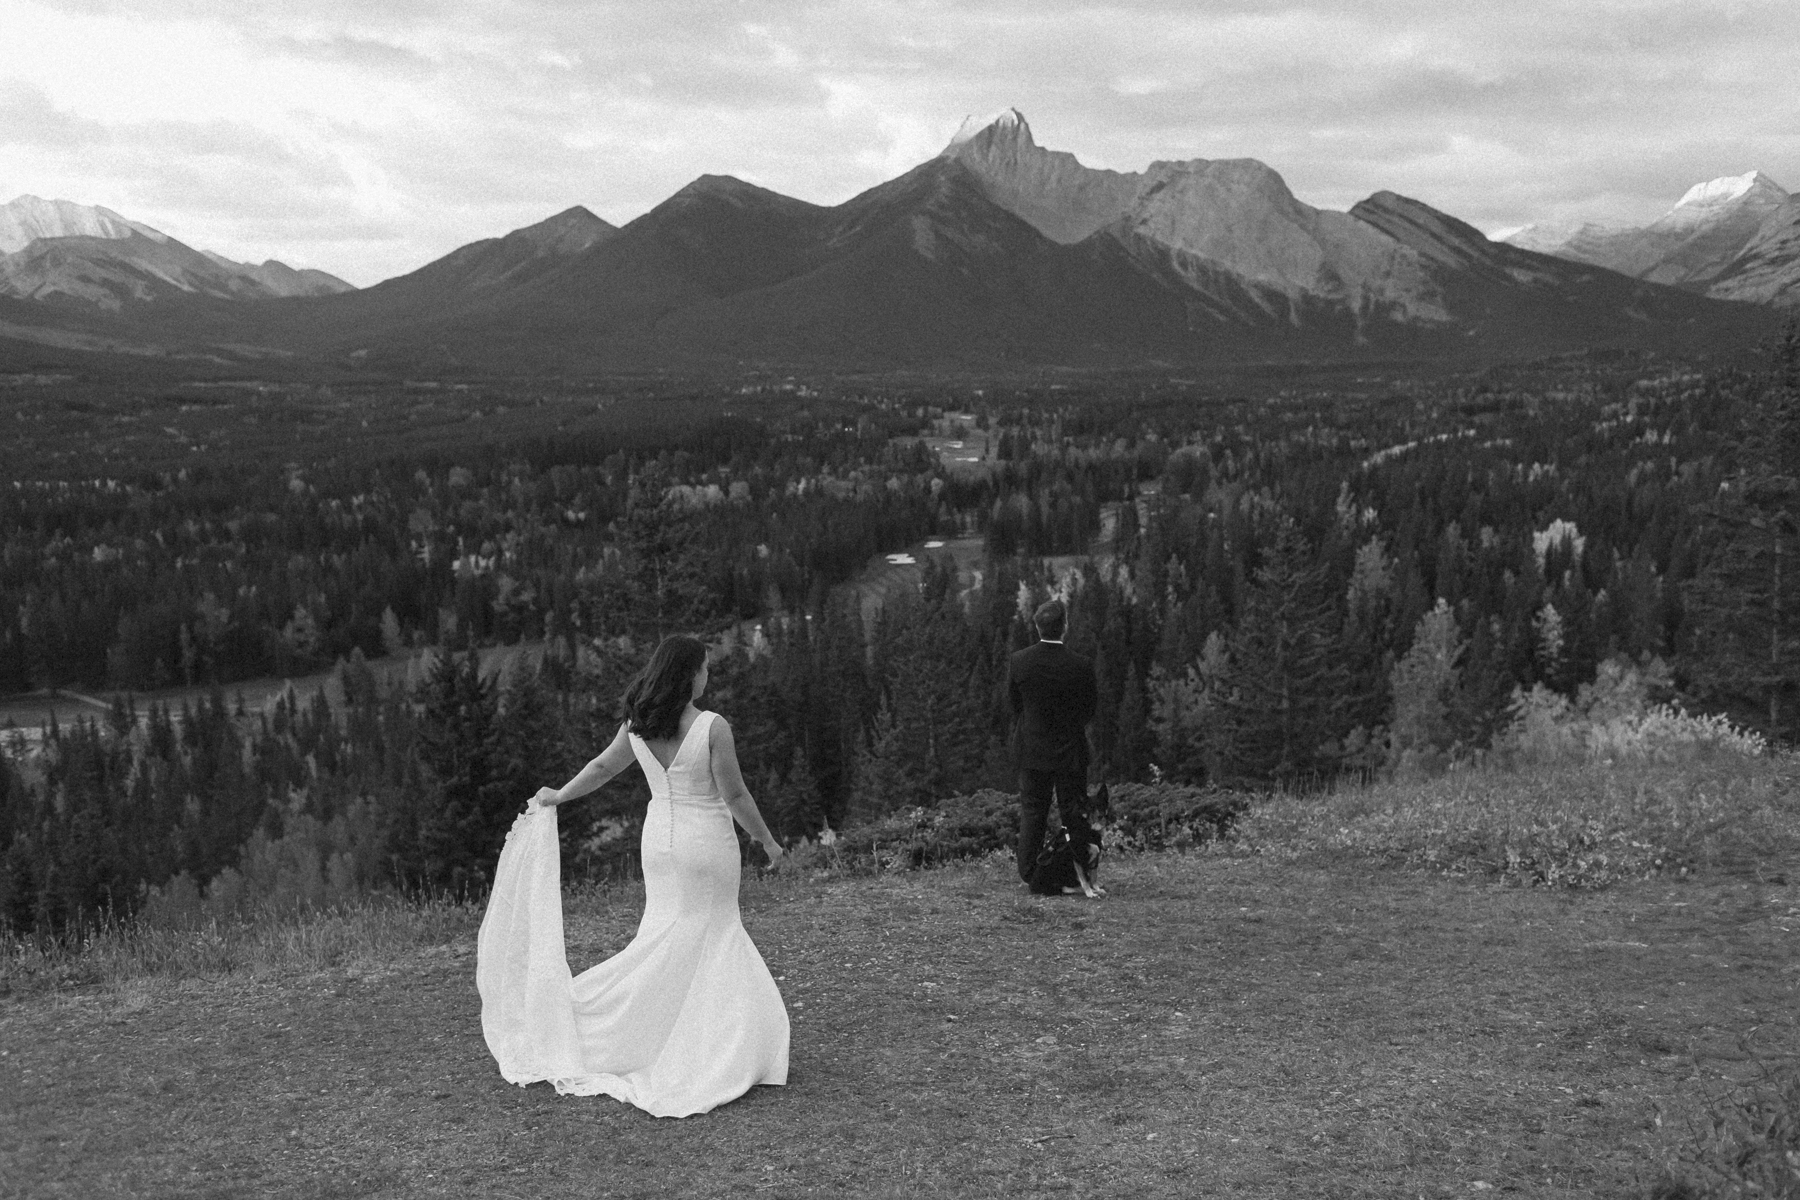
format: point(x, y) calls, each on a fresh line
point(1051, 618)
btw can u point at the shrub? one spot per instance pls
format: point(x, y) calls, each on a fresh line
point(1143, 817)
point(959, 827)
point(312, 865)
point(1612, 719)
point(1668, 734)
point(1153, 817)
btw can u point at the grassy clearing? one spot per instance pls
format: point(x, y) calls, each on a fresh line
point(1242, 1026)
point(881, 580)
point(1296, 1011)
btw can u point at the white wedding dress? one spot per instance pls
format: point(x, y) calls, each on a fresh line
point(680, 1021)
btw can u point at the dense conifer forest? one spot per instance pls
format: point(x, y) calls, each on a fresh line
point(1282, 580)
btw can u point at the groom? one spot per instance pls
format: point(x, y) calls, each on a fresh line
point(1053, 699)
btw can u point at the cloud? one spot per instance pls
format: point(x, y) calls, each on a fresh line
point(28, 118)
point(368, 139)
point(360, 53)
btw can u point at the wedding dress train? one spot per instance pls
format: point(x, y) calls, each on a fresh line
point(680, 1021)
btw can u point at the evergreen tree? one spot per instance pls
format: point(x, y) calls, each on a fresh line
point(451, 836)
point(791, 802)
point(1280, 701)
point(1743, 654)
point(1480, 704)
point(532, 750)
point(930, 739)
point(1133, 745)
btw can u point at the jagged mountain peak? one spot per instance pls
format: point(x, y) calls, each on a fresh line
point(997, 250)
point(1009, 124)
point(1051, 189)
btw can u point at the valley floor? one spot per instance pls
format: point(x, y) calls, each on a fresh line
point(1218, 1026)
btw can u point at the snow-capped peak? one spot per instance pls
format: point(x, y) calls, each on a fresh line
point(29, 217)
point(1009, 121)
point(1727, 188)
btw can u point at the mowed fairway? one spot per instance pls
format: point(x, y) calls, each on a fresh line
point(1217, 1026)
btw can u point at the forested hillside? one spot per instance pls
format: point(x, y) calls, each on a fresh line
point(1279, 585)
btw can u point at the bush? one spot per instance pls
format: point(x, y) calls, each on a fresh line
point(1155, 817)
point(959, 827)
point(312, 865)
point(1143, 817)
point(1613, 720)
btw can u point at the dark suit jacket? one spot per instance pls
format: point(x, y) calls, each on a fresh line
point(1053, 699)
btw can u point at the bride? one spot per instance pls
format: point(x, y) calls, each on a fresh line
point(686, 1017)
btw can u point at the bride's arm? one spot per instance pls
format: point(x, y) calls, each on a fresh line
point(731, 786)
point(602, 767)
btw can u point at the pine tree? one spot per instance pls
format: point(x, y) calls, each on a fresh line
point(930, 738)
point(1281, 699)
point(393, 641)
point(450, 837)
point(890, 774)
point(1132, 743)
point(790, 803)
point(1479, 706)
point(1743, 654)
point(531, 750)
point(840, 714)
point(1178, 709)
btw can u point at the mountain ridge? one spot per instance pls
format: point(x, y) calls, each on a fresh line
point(994, 251)
point(1730, 238)
point(67, 253)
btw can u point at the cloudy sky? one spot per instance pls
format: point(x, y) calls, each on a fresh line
point(366, 137)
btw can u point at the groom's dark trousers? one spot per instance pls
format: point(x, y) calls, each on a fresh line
point(1053, 699)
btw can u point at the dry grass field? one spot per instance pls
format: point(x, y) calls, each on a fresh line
point(1222, 1024)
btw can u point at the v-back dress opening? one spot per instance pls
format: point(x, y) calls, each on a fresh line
point(684, 1018)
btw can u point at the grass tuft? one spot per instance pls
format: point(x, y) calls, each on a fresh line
point(367, 931)
point(1580, 826)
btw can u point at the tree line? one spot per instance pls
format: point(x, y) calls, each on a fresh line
point(1283, 596)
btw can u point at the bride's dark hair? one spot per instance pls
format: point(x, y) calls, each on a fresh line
point(655, 697)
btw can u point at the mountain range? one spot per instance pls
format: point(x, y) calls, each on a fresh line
point(57, 251)
point(1735, 238)
point(995, 252)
